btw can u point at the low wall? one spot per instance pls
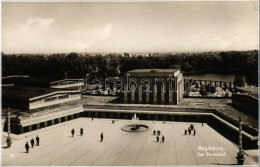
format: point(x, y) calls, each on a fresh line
point(224, 127)
point(246, 103)
point(148, 108)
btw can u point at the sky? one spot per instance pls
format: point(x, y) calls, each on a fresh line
point(129, 27)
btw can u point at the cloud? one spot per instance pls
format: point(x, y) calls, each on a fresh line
point(38, 23)
point(35, 26)
point(82, 39)
point(94, 35)
point(32, 30)
point(40, 35)
point(27, 36)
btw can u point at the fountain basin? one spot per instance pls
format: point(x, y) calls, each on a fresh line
point(135, 128)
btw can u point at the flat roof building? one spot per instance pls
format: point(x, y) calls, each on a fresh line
point(153, 86)
point(28, 98)
point(67, 84)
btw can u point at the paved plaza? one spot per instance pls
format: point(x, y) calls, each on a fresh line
point(120, 148)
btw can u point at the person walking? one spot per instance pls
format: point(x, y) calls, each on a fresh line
point(185, 132)
point(189, 131)
point(27, 147)
point(32, 142)
point(81, 131)
point(101, 137)
point(158, 132)
point(154, 132)
point(157, 139)
point(72, 132)
point(162, 139)
point(38, 140)
point(194, 132)
point(202, 124)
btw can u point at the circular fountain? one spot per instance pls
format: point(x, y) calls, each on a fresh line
point(135, 126)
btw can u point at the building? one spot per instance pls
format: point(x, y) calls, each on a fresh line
point(28, 98)
point(67, 83)
point(153, 86)
point(56, 97)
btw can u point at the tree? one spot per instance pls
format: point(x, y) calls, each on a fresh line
point(187, 67)
point(240, 80)
point(203, 91)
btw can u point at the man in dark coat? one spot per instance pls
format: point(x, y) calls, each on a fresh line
point(38, 140)
point(32, 142)
point(81, 131)
point(163, 139)
point(101, 137)
point(154, 132)
point(157, 139)
point(185, 132)
point(158, 132)
point(27, 147)
point(194, 132)
point(72, 132)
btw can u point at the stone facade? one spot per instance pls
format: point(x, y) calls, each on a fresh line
point(153, 86)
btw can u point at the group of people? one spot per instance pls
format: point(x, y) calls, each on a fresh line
point(158, 134)
point(191, 128)
point(32, 143)
point(157, 139)
point(81, 133)
point(73, 132)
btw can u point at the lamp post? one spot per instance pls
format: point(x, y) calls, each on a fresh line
point(240, 154)
point(8, 139)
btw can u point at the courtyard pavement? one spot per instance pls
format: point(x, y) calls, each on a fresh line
point(120, 148)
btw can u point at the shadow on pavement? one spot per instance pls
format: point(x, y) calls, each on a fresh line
point(5, 147)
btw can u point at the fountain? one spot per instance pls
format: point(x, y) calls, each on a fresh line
point(135, 126)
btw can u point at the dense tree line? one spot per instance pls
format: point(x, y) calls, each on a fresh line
point(244, 63)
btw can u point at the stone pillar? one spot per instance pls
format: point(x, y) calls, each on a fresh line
point(66, 118)
point(38, 126)
point(147, 97)
point(20, 129)
point(132, 94)
point(30, 128)
point(140, 94)
point(175, 92)
point(170, 95)
point(162, 94)
point(125, 94)
point(45, 124)
point(52, 122)
point(154, 94)
point(184, 85)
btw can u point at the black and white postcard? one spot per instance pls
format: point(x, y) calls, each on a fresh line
point(132, 83)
